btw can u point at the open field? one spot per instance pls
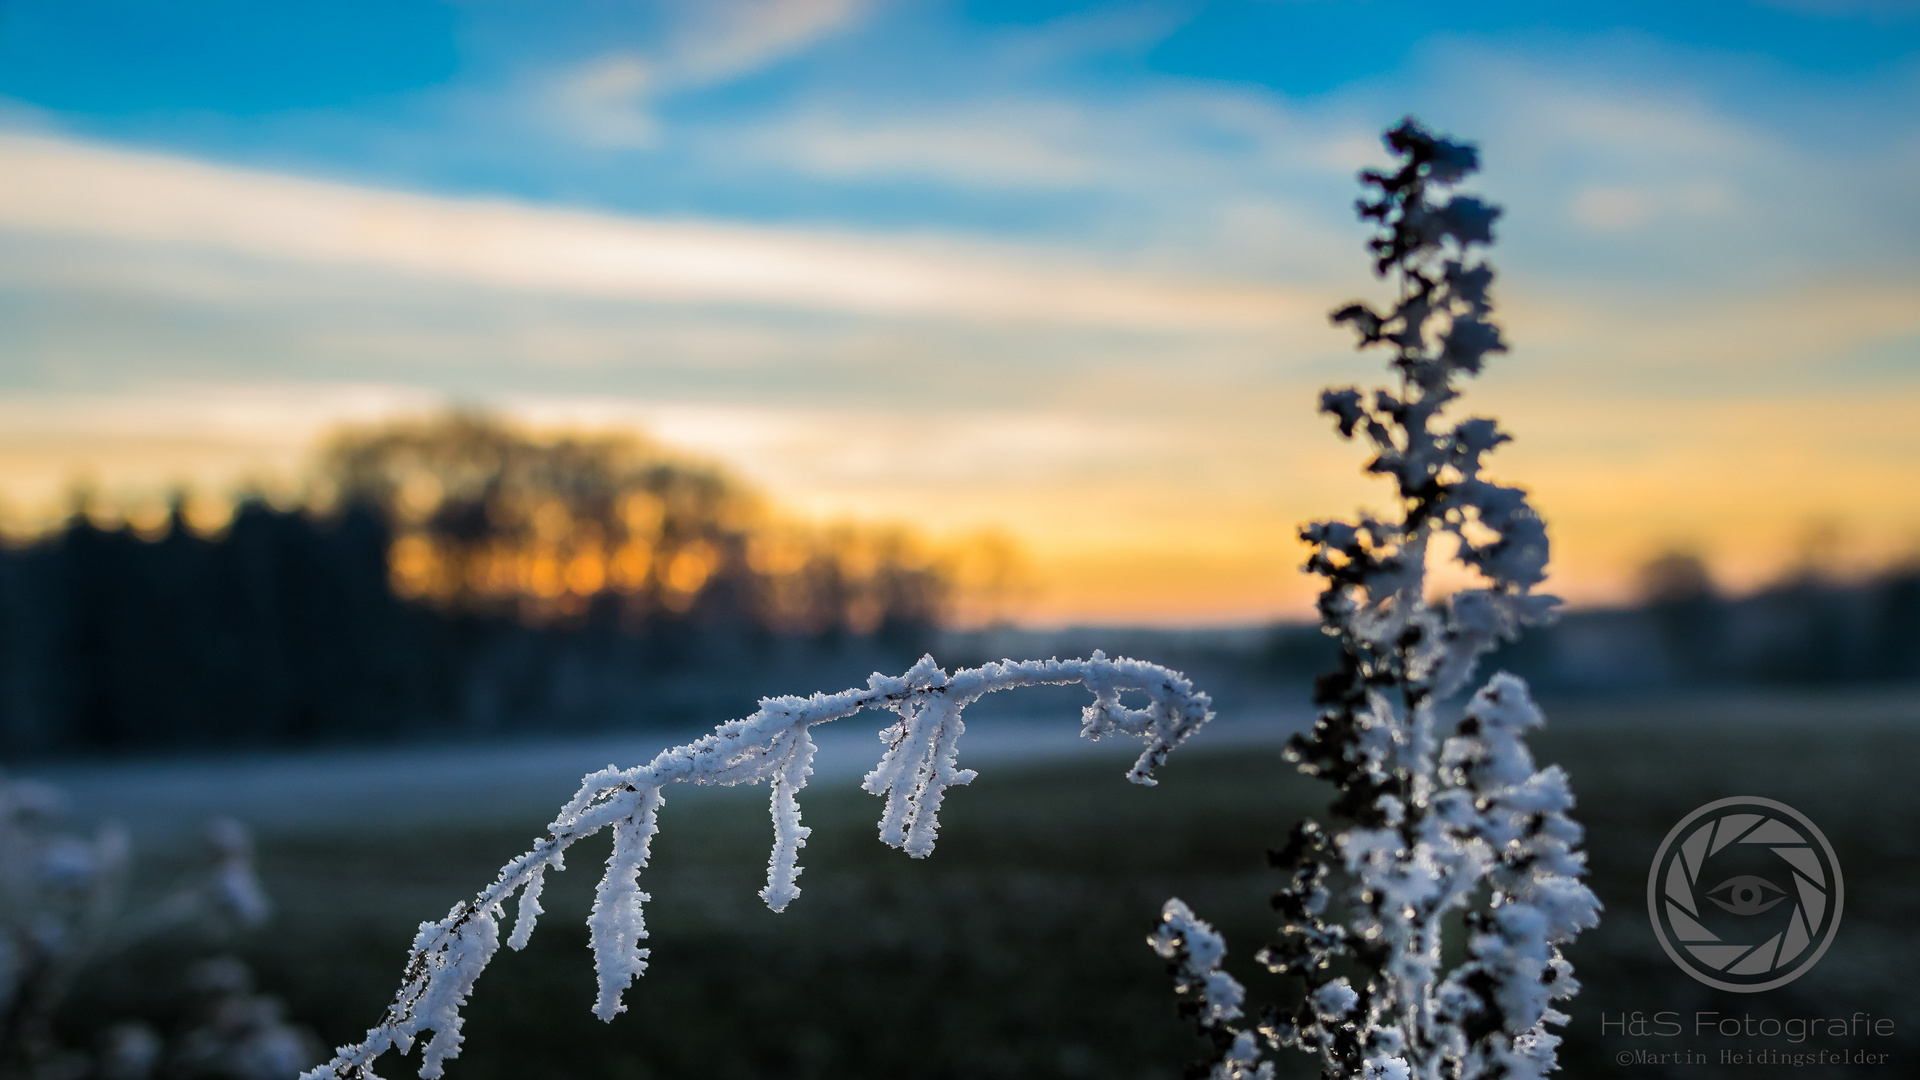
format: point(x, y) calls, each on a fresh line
point(1017, 950)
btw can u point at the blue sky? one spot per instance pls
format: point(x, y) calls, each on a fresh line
point(1065, 263)
point(444, 96)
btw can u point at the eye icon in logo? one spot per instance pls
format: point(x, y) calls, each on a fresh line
point(1745, 894)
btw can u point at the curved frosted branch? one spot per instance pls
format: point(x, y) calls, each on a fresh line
point(774, 744)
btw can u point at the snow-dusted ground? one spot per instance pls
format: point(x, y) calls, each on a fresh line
point(165, 802)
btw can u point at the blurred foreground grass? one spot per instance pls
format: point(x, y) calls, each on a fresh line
point(1017, 949)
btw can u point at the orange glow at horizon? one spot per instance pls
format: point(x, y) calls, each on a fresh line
point(1755, 486)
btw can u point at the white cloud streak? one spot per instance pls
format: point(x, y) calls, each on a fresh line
point(608, 101)
point(725, 38)
point(990, 148)
point(603, 102)
point(55, 186)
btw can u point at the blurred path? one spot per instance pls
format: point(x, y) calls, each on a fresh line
point(526, 780)
point(165, 802)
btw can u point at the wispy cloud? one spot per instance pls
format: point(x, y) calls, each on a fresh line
point(604, 101)
point(609, 100)
point(1094, 32)
point(723, 39)
point(61, 187)
point(1022, 144)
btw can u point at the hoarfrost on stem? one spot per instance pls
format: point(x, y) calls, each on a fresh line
point(1431, 827)
point(64, 910)
point(775, 745)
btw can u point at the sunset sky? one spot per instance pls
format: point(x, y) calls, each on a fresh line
point(1054, 271)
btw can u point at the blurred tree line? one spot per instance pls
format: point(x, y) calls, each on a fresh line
point(1808, 628)
point(458, 575)
point(447, 575)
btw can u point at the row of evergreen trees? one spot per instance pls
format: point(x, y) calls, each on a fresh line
point(456, 576)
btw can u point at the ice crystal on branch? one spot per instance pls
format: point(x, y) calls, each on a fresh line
point(1430, 827)
point(775, 744)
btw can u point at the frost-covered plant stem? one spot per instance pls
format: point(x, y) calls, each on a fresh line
point(62, 910)
point(1430, 828)
point(774, 744)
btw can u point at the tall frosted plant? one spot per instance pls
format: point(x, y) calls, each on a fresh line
point(1430, 825)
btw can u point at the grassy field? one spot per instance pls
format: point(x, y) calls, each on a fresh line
point(1017, 949)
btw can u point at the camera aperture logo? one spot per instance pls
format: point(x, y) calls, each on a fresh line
point(1745, 894)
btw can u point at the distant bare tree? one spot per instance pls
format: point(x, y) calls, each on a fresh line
point(488, 518)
